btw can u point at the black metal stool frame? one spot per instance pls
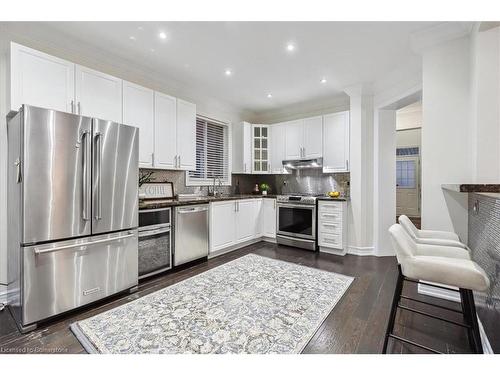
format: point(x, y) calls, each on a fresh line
point(468, 311)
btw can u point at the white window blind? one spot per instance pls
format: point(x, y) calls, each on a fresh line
point(212, 152)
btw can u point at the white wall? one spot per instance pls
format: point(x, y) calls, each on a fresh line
point(409, 137)
point(446, 134)
point(409, 117)
point(486, 100)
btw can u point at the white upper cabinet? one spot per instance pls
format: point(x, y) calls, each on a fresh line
point(336, 142)
point(186, 135)
point(40, 80)
point(277, 150)
point(138, 110)
point(242, 147)
point(312, 146)
point(98, 94)
point(293, 139)
point(165, 139)
point(260, 149)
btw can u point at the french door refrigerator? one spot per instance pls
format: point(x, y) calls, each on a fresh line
point(73, 212)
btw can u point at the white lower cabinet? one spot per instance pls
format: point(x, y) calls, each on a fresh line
point(332, 234)
point(239, 221)
point(268, 218)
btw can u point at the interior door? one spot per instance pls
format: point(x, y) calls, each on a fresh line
point(407, 186)
point(98, 94)
point(115, 176)
point(56, 175)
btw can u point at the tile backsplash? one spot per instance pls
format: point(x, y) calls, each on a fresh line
point(311, 181)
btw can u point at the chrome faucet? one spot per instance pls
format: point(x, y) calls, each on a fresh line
point(215, 191)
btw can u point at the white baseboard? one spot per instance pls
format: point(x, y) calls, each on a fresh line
point(3, 294)
point(234, 247)
point(455, 297)
point(360, 250)
point(269, 239)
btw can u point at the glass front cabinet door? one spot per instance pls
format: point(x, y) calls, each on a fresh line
point(260, 145)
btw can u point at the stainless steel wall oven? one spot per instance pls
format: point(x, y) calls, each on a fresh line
point(155, 241)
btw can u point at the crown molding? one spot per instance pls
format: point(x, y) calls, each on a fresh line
point(443, 32)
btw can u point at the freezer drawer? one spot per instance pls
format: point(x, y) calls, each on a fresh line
point(61, 276)
point(191, 233)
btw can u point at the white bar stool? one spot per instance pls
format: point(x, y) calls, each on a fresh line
point(438, 264)
point(430, 237)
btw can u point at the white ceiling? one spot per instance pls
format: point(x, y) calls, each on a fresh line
point(198, 53)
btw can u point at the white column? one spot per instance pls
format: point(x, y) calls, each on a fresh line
point(447, 134)
point(384, 194)
point(360, 213)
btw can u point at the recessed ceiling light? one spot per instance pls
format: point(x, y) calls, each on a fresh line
point(290, 47)
point(132, 37)
point(228, 72)
point(140, 28)
point(323, 80)
point(162, 35)
point(269, 95)
point(152, 50)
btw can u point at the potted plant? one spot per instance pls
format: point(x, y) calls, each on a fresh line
point(264, 188)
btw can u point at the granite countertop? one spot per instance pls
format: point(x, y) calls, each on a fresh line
point(472, 188)
point(340, 199)
point(151, 204)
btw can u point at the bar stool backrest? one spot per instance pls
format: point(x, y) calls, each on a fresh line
point(409, 226)
point(404, 246)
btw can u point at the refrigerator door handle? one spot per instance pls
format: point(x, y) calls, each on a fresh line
point(85, 180)
point(98, 142)
point(38, 251)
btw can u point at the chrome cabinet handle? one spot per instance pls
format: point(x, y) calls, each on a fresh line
point(79, 108)
point(85, 171)
point(152, 158)
point(179, 161)
point(98, 141)
point(347, 165)
point(51, 250)
point(72, 106)
point(19, 177)
point(245, 167)
point(154, 232)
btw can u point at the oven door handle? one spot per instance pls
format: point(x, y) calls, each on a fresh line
point(305, 206)
point(153, 232)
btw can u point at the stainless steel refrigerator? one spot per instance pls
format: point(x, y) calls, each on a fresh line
point(73, 212)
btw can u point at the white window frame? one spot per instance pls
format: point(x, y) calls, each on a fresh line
point(190, 181)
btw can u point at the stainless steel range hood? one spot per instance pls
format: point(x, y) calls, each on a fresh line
point(303, 163)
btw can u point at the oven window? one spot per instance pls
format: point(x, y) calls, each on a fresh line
point(295, 220)
point(154, 217)
point(154, 252)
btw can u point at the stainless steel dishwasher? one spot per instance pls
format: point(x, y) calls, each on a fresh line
point(191, 233)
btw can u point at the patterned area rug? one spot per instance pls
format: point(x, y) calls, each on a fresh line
point(253, 304)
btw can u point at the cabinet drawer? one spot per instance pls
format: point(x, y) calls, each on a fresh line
point(332, 217)
point(330, 227)
point(330, 207)
point(330, 240)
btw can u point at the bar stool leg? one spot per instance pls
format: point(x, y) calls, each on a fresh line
point(469, 309)
point(394, 308)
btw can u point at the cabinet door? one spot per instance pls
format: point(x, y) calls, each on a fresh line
point(260, 149)
point(222, 225)
point(165, 140)
point(186, 135)
point(293, 139)
point(98, 94)
point(40, 80)
point(336, 142)
point(246, 217)
point(138, 111)
point(268, 217)
point(277, 150)
point(313, 137)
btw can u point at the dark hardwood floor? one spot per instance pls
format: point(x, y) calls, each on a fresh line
point(356, 324)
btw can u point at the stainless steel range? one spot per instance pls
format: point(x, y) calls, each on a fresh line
point(296, 220)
